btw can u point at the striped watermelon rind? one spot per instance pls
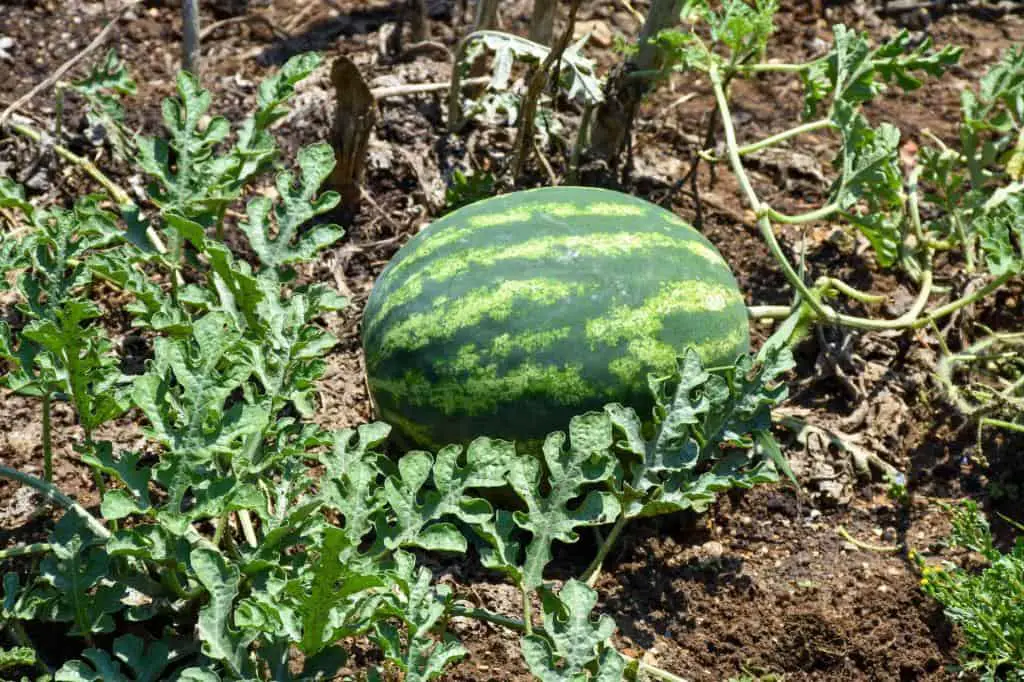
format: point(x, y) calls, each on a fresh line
point(511, 315)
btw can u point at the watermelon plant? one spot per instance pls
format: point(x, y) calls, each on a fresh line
point(958, 206)
point(255, 535)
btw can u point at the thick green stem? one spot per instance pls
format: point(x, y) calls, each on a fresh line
point(220, 222)
point(169, 578)
point(47, 437)
point(527, 610)
point(25, 550)
point(176, 256)
point(1003, 424)
point(956, 305)
point(654, 671)
point(825, 283)
point(490, 617)
point(965, 241)
point(97, 475)
point(769, 312)
point(51, 492)
point(763, 223)
point(785, 135)
point(593, 571)
point(245, 521)
point(817, 214)
point(222, 524)
point(774, 68)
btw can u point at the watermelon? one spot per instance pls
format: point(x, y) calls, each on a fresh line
point(509, 316)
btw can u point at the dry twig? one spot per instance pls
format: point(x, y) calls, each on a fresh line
point(415, 88)
point(524, 135)
point(278, 32)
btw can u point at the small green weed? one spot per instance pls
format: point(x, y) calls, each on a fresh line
point(987, 605)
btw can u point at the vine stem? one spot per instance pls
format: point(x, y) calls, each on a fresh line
point(912, 319)
point(785, 135)
point(1003, 424)
point(248, 531)
point(25, 550)
point(593, 571)
point(116, 192)
point(775, 68)
point(50, 492)
point(769, 312)
point(844, 288)
point(527, 610)
point(817, 214)
point(47, 437)
point(222, 523)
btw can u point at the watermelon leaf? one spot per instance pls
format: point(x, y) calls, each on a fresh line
point(707, 429)
point(423, 608)
point(419, 524)
point(279, 242)
point(146, 662)
point(556, 515)
point(103, 89)
point(575, 647)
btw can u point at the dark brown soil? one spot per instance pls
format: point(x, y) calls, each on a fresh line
point(765, 585)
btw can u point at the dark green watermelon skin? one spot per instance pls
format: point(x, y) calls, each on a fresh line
point(509, 316)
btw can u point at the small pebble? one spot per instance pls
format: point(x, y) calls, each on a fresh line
point(712, 550)
point(6, 48)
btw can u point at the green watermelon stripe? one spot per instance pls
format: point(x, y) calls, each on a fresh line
point(644, 353)
point(629, 361)
point(479, 388)
point(419, 433)
point(439, 235)
point(447, 317)
point(687, 296)
point(609, 244)
point(484, 389)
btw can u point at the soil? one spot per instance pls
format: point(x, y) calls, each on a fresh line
point(766, 584)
